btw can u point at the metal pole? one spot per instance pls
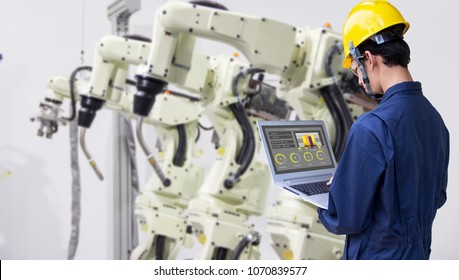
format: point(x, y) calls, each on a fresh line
point(125, 238)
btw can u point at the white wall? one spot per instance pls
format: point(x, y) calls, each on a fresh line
point(41, 39)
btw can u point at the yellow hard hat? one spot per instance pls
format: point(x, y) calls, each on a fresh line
point(367, 19)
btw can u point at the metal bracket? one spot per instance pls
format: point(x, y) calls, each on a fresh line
point(119, 13)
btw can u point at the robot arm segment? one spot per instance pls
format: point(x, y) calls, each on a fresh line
point(50, 109)
point(178, 24)
point(112, 58)
point(261, 40)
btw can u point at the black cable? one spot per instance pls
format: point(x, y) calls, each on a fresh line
point(209, 4)
point(242, 118)
point(137, 37)
point(258, 93)
point(72, 90)
point(221, 253)
point(343, 115)
point(326, 94)
point(160, 246)
point(199, 127)
point(247, 151)
point(240, 248)
point(180, 154)
point(241, 115)
point(205, 128)
point(131, 82)
point(339, 96)
point(191, 98)
point(244, 243)
point(198, 134)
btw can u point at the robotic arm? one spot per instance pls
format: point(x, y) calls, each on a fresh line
point(297, 56)
point(160, 209)
point(107, 85)
point(113, 57)
point(220, 211)
point(267, 44)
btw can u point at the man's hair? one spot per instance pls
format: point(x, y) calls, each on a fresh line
point(394, 52)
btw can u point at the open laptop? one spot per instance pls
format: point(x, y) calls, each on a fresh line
point(300, 157)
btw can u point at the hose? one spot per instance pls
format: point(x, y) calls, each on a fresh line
point(209, 4)
point(337, 105)
point(72, 90)
point(85, 150)
point(160, 245)
point(247, 151)
point(180, 155)
point(327, 95)
point(251, 238)
point(76, 192)
point(221, 253)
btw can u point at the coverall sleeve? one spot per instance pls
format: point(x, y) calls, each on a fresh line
point(357, 177)
point(442, 196)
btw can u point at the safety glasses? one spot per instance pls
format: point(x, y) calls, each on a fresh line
point(354, 66)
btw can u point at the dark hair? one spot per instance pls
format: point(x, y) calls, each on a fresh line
point(394, 52)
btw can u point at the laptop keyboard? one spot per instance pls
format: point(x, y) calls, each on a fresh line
point(312, 188)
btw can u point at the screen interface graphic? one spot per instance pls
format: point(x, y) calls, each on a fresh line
point(297, 148)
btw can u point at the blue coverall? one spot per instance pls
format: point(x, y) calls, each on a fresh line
point(391, 178)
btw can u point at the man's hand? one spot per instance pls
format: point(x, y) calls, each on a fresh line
point(329, 182)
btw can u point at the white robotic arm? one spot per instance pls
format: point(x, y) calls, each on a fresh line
point(276, 47)
point(112, 58)
point(50, 111)
point(267, 44)
point(160, 209)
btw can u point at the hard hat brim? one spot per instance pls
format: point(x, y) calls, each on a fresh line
point(347, 62)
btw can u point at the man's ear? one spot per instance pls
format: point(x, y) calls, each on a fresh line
point(372, 59)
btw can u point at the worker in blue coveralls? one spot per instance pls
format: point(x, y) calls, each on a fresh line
point(392, 176)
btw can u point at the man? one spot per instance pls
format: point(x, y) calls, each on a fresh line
point(392, 176)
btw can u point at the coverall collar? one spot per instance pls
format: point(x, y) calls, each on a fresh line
point(408, 87)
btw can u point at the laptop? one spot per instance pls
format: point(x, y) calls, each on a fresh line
point(300, 157)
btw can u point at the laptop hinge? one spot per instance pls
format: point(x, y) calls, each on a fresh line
point(304, 179)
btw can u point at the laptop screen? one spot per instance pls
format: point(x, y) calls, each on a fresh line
point(294, 148)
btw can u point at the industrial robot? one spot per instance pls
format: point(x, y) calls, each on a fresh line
point(238, 182)
point(159, 209)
